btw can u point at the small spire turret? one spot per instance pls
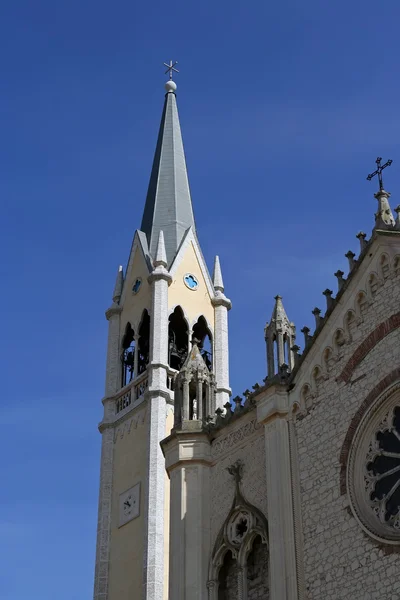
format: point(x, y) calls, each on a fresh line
point(280, 335)
point(161, 256)
point(119, 282)
point(217, 276)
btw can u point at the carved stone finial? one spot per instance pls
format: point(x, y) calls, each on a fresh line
point(317, 314)
point(350, 257)
point(306, 332)
point(362, 239)
point(295, 349)
point(228, 409)
point(238, 403)
point(329, 300)
point(236, 470)
point(339, 274)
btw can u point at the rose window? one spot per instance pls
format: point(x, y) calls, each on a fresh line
point(382, 477)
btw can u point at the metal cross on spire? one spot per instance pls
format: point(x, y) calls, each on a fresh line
point(171, 68)
point(379, 171)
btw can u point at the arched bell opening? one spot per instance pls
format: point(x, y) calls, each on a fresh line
point(257, 572)
point(144, 343)
point(228, 578)
point(178, 334)
point(202, 334)
point(128, 355)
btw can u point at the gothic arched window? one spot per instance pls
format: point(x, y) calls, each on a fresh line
point(239, 567)
point(144, 343)
point(202, 333)
point(128, 355)
point(178, 339)
point(228, 578)
point(257, 571)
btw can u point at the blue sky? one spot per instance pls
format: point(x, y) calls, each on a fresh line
point(284, 107)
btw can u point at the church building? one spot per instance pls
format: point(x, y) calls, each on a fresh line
point(290, 493)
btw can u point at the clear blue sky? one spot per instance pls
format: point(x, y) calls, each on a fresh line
point(284, 107)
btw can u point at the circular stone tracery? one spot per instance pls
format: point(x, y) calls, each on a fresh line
point(383, 470)
point(373, 469)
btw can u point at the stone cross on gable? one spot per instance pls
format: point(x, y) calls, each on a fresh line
point(379, 170)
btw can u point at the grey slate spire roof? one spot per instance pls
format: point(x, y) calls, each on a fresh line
point(168, 204)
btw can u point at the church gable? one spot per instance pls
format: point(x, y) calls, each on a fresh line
point(364, 311)
point(191, 287)
point(349, 370)
point(136, 291)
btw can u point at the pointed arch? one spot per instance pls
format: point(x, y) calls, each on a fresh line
point(128, 355)
point(202, 332)
point(178, 338)
point(350, 324)
point(373, 284)
point(328, 359)
point(384, 265)
point(144, 342)
point(244, 525)
point(339, 340)
point(361, 304)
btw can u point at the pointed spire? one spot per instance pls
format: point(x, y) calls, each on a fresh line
point(217, 276)
point(119, 282)
point(161, 257)
point(168, 203)
point(282, 332)
point(279, 312)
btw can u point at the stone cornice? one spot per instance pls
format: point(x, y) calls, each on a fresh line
point(221, 300)
point(114, 309)
point(159, 273)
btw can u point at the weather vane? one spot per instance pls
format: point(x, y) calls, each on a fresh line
point(379, 171)
point(171, 68)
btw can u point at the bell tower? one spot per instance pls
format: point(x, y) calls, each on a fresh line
point(162, 301)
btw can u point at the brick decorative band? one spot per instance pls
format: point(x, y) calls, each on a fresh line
point(368, 401)
point(366, 346)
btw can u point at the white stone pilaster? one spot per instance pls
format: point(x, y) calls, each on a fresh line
point(272, 410)
point(187, 458)
point(221, 348)
point(153, 563)
point(113, 364)
point(112, 384)
point(156, 396)
point(104, 516)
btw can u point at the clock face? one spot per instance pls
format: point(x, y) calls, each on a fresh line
point(129, 504)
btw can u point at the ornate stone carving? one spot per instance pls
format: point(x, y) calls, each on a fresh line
point(223, 444)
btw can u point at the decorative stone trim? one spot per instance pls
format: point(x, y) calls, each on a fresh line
point(368, 344)
point(221, 445)
point(356, 420)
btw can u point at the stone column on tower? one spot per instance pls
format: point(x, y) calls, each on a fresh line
point(113, 380)
point(156, 395)
point(221, 343)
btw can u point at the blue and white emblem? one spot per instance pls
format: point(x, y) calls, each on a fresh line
point(136, 285)
point(191, 281)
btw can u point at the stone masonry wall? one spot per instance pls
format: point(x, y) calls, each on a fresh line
point(340, 560)
point(245, 442)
